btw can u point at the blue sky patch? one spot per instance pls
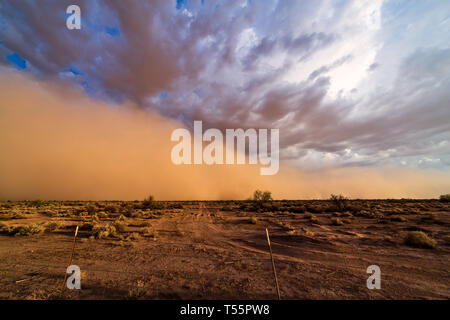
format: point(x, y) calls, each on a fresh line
point(17, 61)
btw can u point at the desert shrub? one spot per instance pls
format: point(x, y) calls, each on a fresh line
point(5, 229)
point(312, 218)
point(149, 201)
point(137, 291)
point(102, 232)
point(38, 203)
point(419, 239)
point(297, 209)
point(149, 232)
point(120, 226)
point(313, 209)
point(340, 202)
point(369, 214)
point(175, 205)
point(143, 224)
point(264, 196)
point(134, 236)
point(52, 226)
point(11, 216)
point(102, 215)
point(87, 226)
point(110, 209)
point(253, 220)
point(336, 222)
point(346, 214)
point(91, 209)
point(267, 196)
point(445, 198)
point(29, 230)
point(257, 195)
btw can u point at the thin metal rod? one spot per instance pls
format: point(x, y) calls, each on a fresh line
point(273, 265)
point(70, 260)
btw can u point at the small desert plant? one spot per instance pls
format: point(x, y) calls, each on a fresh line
point(52, 226)
point(148, 202)
point(38, 203)
point(149, 232)
point(91, 209)
point(11, 215)
point(419, 239)
point(137, 291)
point(134, 236)
point(312, 218)
point(102, 232)
point(336, 222)
point(259, 195)
point(339, 201)
point(445, 198)
point(29, 230)
point(253, 220)
point(110, 209)
point(120, 226)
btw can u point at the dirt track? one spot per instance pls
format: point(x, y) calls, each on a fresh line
point(208, 251)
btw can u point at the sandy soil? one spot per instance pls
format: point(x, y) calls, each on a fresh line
point(218, 250)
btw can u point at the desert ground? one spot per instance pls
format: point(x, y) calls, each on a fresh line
point(219, 250)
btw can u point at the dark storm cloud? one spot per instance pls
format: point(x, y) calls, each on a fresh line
point(192, 62)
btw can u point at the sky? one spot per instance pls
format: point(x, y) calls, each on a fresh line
point(354, 86)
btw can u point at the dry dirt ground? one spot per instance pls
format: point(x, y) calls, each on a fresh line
point(218, 250)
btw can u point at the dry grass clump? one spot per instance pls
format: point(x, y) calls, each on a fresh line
point(103, 232)
point(137, 290)
point(91, 209)
point(370, 214)
point(336, 222)
point(111, 209)
point(120, 226)
point(253, 220)
point(134, 236)
point(419, 239)
point(11, 215)
point(284, 225)
point(38, 203)
point(312, 218)
point(26, 230)
point(339, 201)
point(52, 226)
point(149, 233)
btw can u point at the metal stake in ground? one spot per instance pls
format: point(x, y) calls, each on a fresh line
point(70, 261)
point(273, 265)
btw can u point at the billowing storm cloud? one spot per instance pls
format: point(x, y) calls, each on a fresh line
point(360, 84)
